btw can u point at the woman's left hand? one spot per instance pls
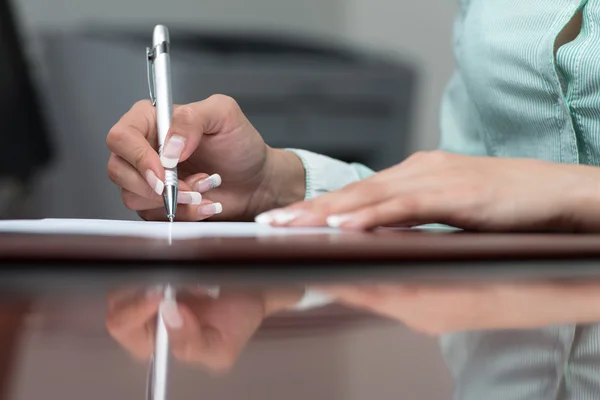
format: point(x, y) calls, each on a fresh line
point(437, 310)
point(478, 193)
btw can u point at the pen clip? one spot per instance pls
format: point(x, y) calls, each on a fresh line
point(151, 54)
point(150, 380)
point(150, 67)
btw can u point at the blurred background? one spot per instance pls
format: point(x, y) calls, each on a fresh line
point(354, 79)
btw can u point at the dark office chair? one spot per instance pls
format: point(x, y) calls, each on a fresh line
point(24, 136)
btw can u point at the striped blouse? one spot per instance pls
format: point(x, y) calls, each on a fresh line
point(524, 86)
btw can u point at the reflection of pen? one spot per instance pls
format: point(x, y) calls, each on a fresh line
point(159, 82)
point(157, 389)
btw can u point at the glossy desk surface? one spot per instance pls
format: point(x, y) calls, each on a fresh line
point(402, 254)
point(333, 352)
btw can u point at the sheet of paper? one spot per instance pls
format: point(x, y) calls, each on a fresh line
point(175, 230)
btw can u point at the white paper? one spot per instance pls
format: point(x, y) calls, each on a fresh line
point(146, 229)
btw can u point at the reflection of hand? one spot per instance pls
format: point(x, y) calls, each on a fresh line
point(443, 309)
point(202, 330)
point(481, 193)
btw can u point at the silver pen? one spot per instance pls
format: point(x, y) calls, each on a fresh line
point(158, 373)
point(159, 83)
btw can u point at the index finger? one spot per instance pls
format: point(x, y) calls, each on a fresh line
point(134, 139)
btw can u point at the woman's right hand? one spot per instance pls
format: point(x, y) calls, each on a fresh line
point(215, 148)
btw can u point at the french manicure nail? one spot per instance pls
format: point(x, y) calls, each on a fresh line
point(336, 221)
point(172, 151)
point(284, 217)
point(156, 184)
point(278, 217)
point(212, 182)
point(210, 209)
point(189, 198)
point(265, 218)
point(170, 314)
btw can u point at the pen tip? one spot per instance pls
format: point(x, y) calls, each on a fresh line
point(171, 218)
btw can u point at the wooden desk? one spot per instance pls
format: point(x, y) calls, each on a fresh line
point(37, 263)
point(59, 261)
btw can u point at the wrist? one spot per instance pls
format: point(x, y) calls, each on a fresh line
point(280, 300)
point(285, 181)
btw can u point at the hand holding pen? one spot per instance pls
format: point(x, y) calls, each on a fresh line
point(225, 169)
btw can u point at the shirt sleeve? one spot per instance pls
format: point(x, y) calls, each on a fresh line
point(325, 174)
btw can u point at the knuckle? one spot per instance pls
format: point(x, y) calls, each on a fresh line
point(112, 325)
point(143, 104)
point(129, 200)
point(115, 136)
point(224, 101)
point(138, 155)
point(113, 169)
point(183, 117)
point(374, 189)
point(230, 109)
point(408, 204)
point(223, 363)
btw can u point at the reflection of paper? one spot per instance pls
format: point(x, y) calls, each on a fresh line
point(175, 230)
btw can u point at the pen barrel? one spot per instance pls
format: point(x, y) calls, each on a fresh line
point(164, 100)
point(161, 361)
point(171, 177)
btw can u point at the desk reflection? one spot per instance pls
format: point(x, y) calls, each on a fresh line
point(245, 342)
point(235, 345)
point(204, 327)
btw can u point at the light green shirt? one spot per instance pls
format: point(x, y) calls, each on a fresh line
point(513, 96)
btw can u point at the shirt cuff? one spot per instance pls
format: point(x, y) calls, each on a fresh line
point(313, 299)
point(324, 174)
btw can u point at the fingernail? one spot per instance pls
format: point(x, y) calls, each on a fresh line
point(336, 221)
point(156, 184)
point(213, 181)
point(265, 218)
point(210, 209)
point(278, 216)
point(172, 151)
point(155, 292)
point(171, 315)
point(189, 198)
point(285, 217)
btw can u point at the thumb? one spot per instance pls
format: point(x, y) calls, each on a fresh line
point(191, 121)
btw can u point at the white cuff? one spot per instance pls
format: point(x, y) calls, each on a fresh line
point(324, 174)
point(313, 299)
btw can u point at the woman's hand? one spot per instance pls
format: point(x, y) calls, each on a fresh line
point(438, 309)
point(202, 329)
point(478, 193)
point(216, 149)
